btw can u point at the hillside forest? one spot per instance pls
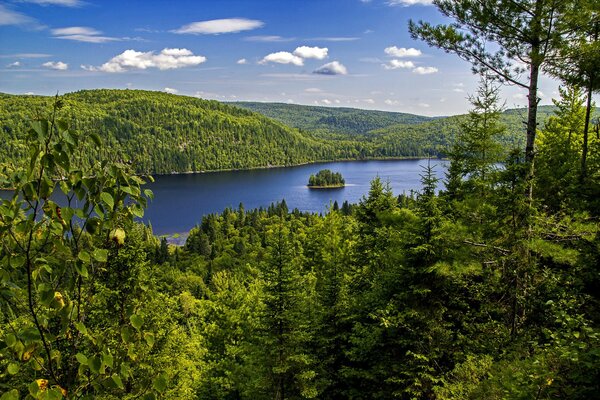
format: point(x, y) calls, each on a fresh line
point(484, 285)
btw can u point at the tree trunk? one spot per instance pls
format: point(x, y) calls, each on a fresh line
point(586, 129)
point(532, 111)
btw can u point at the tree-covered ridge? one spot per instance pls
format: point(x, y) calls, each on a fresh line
point(163, 133)
point(331, 120)
point(326, 178)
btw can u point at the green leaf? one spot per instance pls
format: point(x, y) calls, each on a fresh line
point(117, 380)
point(107, 360)
point(149, 337)
point(81, 358)
point(136, 321)
point(160, 384)
point(95, 364)
point(84, 256)
point(100, 255)
point(10, 395)
point(13, 368)
point(11, 340)
point(108, 199)
point(127, 334)
point(82, 270)
point(96, 139)
point(81, 328)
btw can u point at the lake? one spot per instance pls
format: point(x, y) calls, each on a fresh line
point(181, 200)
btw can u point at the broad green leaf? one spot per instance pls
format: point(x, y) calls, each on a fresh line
point(95, 364)
point(108, 199)
point(107, 360)
point(13, 368)
point(84, 256)
point(11, 340)
point(117, 380)
point(100, 255)
point(10, 395)
point(136, 321)
point(81, 358)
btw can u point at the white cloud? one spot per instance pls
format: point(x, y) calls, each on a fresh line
point(283, 57)
point(458, 90)
point(166, 59)
point(395, 64)
point(82, 34)
point(242, 61)
point(424, 105)
point(217, 26)
point(425, 70)
point(369, 101)
point(267, 38)
point(313, 90)
point(519, 96)
point(391, 102)
point(311, 52)
point(16, 64)
point(66, 3)
point(401, 52)
point(335, 39)
point(171, 90)
point(25, 55)
point(75, 30)
point(326, 101)
point(332, 68)
point(407, 3)
point(10, 17)
point(29, 93)
point(58, 65)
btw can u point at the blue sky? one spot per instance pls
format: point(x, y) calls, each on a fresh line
point(350, 53)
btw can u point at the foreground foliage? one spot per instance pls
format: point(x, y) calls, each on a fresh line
point(470, 293)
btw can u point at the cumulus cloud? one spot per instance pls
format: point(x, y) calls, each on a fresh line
point(425, 70)
point(313, 90)
point(166, 59)
point(369, 101)
point(326, 101)
point(283, 57)
point(311, 52)
point(58, 65)
point(395, 64)
point(401, 52)
point(16, 64)
point(407, 3)
point(65, 3)
point(171, 90)
point(242, 61)
point(217, 26)
point(332, 68)
point(391, 102)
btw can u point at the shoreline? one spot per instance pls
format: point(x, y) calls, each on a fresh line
point(210, 171)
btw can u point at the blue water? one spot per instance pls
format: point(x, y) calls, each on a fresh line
point(180, 201)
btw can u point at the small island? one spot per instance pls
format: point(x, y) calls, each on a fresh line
point(325, 179)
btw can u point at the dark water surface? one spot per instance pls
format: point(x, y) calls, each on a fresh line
point(180, 201)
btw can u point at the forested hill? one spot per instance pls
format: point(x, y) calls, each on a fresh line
point(163, 133)
point(331, 120)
